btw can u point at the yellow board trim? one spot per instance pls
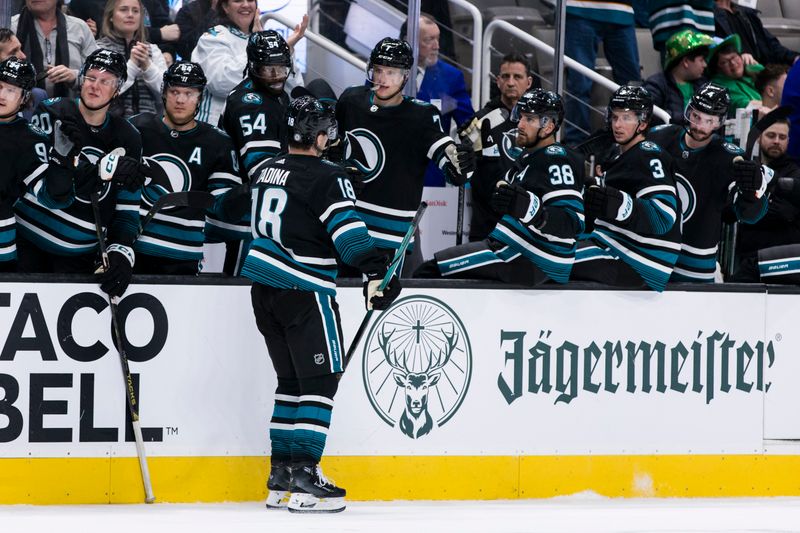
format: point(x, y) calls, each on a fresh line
point(216, 479)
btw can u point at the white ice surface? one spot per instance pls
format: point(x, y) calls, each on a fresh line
point(582, 513)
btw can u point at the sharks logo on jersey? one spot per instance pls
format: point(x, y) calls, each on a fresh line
point(509, 144)
point(687, 197)
point(93, 154)
point(176, 169)
point(365, 149)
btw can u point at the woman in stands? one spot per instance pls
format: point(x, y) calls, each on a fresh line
point(222, 52)
point(124, 32)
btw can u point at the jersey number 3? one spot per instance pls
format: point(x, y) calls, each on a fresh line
point(269, 218)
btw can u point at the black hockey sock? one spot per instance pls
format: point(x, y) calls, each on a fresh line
point(313, 418)
point(284, 415)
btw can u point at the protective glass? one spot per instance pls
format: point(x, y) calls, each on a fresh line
point(624, 116)
point(10, 91)
point(105, 82)
point(272, 71)
point(386, 74)
point(702, 120)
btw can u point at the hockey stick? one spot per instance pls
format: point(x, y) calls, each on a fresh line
point(126, 371)
point(194, 199)
point(396, 260)
point(460, 215)
point(198, 199)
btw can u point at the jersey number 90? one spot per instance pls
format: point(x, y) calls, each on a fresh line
point(273, 202)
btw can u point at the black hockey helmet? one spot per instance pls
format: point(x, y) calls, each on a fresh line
point(391, 53)
point(542, 103)
point(633, 98)
point(711, 99)
point(19, 73)
point(267, 47)
point(184, 74)
point(307, 118)
point(108, 60)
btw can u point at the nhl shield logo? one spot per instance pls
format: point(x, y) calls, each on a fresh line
point(417, 365)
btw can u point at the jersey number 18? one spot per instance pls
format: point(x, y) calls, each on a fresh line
point(269, 217)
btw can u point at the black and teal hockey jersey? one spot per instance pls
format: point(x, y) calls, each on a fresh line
point(648, 239)
point(392, 146)
point(256, 122)
point(200, 159)
point(303, 214)
point(24, 152)
point(70, 229)
point(555, 175)
point(704, 181)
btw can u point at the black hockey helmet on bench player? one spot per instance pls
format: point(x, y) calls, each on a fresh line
point(184, 74)
point(19, 73)
point(545, 104)
point(109, 61)
point(307, 118)
point(632, 98)
point(268, 48)
point(394, 53)
point(711, 99)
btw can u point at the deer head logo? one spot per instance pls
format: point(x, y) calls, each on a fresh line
point(417, 365)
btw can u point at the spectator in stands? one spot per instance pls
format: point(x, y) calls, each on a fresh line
point(222, 53)
point(588, 23)
point(124, 32)
point(156, 16)
point(56, 44)
point(726, 68)
point(10, 46)
point(670, 16)
point(791, 97)
point(769, 84)
point(438, 11)
point(758, 44)
point(684, 64)
point(498, 149)
point(781, 225)
point(440, 84)
point(193, 20)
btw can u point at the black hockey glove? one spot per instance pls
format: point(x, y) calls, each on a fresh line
point(356, 177)
point(461, 162)
point(130, 173)
point(64, 152)
point(517, 201)
point(607, 203)
point(380, 300)
point(237, 202)
point(747, 175)
point(114, 280)
point(71, 129)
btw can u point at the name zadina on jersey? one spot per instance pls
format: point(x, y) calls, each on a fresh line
point(392, 146)
point(648, 238)
point(255, 120)
point(555, 175)
point(704, 181)
point(303, 215)
point(200, 159)
point(23, 151)
point(70, 229)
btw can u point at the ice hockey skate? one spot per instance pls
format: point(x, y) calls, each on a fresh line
point(312, 492)
point(280, 476)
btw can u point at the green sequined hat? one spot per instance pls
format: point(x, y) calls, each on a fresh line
point(683, 43)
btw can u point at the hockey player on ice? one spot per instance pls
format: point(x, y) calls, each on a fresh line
point(304, 216)
point(539, 200)
point(710, 174)
point(632, 213)
point(390, 138)
point(24, 152)
point(191, 156)
point(63, 238)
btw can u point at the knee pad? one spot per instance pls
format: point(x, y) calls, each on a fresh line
point(288, 386)
point(320, 386)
